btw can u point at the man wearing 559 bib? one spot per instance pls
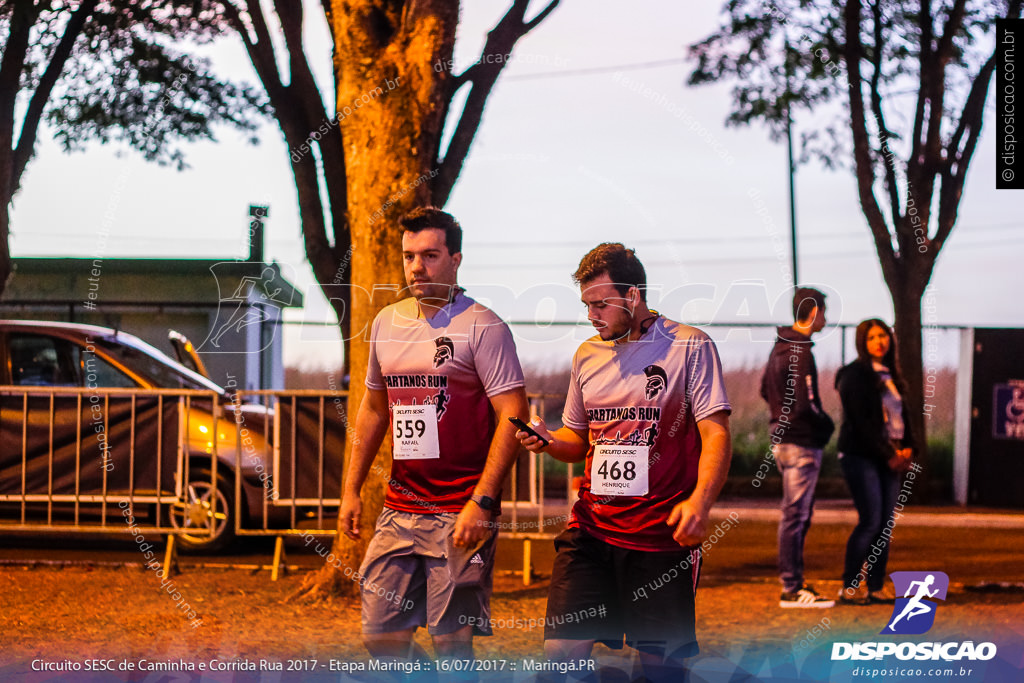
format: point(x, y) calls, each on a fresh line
point(443, 372)
point(647, 409)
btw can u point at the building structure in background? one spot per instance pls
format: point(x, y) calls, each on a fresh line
point(230, 309)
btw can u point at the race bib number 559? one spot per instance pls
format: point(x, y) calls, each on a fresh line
point(619, 470)
point(414, 429)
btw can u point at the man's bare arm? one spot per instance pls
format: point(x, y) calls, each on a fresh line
point(372, 422)
point(473, 523)
point(690, 517)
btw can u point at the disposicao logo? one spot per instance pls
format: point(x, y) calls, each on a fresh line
point(914, 613)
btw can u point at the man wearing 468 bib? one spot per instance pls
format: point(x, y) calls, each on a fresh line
point(647, 410)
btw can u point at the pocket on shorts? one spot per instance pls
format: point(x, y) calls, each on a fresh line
point(471, 566)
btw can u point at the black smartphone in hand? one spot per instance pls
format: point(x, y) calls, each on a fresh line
point(523, 427)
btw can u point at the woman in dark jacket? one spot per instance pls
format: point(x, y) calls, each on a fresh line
point(875, 448)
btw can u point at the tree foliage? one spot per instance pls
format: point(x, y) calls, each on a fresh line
point(110, 71)
point(895, 90)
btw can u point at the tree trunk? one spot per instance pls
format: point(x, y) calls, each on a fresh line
point(907, 305)
point(6, 268)
point(389, 144)
point(11, 66)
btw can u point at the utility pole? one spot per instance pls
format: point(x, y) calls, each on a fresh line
point(792, 171)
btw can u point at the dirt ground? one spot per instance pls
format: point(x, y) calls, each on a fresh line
point(122, 613)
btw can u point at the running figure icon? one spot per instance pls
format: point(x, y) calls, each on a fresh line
point(914, 613)
point(916, 606)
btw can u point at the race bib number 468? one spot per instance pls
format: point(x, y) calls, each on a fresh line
point(414, 429)
point(619, 470)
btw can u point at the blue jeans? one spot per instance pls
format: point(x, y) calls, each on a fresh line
point(874, 488)
point(799, 467)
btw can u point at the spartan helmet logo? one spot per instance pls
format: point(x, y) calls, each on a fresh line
point(657, 380)
point(445, 351)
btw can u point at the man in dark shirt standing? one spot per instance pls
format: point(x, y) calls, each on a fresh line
point(800, 428)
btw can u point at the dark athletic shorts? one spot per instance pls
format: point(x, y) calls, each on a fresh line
point(413, 576)
point(602, 592)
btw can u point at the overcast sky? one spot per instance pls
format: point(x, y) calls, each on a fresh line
point(562, 162)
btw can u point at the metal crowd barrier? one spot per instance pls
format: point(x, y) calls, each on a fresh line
point(305, 449)
point(296, 474)
point(99, 460)
point(102, 460)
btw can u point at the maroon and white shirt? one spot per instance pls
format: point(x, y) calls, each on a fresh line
point(640, 401)
point(439, 375)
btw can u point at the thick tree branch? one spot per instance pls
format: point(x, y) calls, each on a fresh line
point(934, 83)
point(889, 165)
point(311, 213)
point(920, 107)
point(929, 161)
point(336, 67)
point(305, 93)
point(261, 51)
point(23, 15)
point(300, 111)
point(264, 48)
point(13, 63)
point(294, 123)
point(944, 50)
point(954, 174)
point(959, 158)
point(979, 90)
point(853, 50)
point(481, 77)
point(34, 111)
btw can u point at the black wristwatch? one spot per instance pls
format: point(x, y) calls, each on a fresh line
point(485, 502)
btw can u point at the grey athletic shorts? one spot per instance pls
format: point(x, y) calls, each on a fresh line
point(414, 576)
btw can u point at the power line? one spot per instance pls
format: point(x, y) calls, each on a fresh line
point(732, 239)
point(698, 261)
point(718, 240)
point(655, 241)
point(961, 232)
point(565, 73)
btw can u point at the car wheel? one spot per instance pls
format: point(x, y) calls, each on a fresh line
point(197, 514)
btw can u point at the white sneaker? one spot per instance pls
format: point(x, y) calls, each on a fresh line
point(805, 598)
